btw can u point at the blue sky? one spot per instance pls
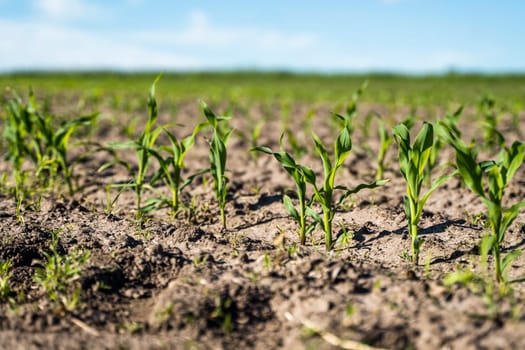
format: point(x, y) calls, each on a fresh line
point(412, 36)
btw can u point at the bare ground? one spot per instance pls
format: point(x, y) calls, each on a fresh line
point(186, 283)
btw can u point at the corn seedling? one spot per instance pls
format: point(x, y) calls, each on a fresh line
point(30, 136)
point(57, 274)
point(254, 136)
point(218, 156)
point(143, 147)
point(16, 130)
point(346, 119)
point(489, 122)
point(171, 166)
point(324, 195)
point(110, 202)
point(413, 160)
point(498, 175)
point(385, 140)
point(300, 175)
point(57, 145)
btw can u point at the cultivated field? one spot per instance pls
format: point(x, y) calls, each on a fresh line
point(264, 211)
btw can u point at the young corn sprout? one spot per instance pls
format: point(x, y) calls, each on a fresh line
point(170, 167)
point(498, 175)
point(31, 135)
point(218, 156)
point(56, 143)
point(17, 130)
point(143, 147)
point(325, 195)
point(346, 119)
point(413, 160)
point(385, 140)
point(299, 174)
point(489, 122)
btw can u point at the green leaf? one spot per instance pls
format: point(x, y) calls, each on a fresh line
point(349, 191)
point(343, 146)
point(214, 120)
point(402, 137)
point(115, 162)
point(487, 165)
point(485, 246)
point(422, 147)
point(510, 214)
point(190, 178)
point(496, 185)
point(288, 205)
point(513, 158)
point(124, 145)
point(321, 150)
point(408, 211)
point(313, 214)
point(262, 149)
point(286, 160)
point(510, 257)
point(458, 277)
point(152, 204)
point(152, 106)
point(308, 174)
point(424, 140)
point(311, 227)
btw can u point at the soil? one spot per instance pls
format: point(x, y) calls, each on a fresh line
point(186, 283)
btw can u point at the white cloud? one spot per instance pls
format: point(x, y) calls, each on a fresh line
point(202, 44)
point(67, 9)
point(201, 32)
point(34, 45)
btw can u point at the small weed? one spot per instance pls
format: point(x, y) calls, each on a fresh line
point(200, 260)
point(267, 261)
point(345, 239)
point(58, 274)
point(350, 309)
point(428, 260)
point(165, 313)
point(5, 277)
point(223, 313)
